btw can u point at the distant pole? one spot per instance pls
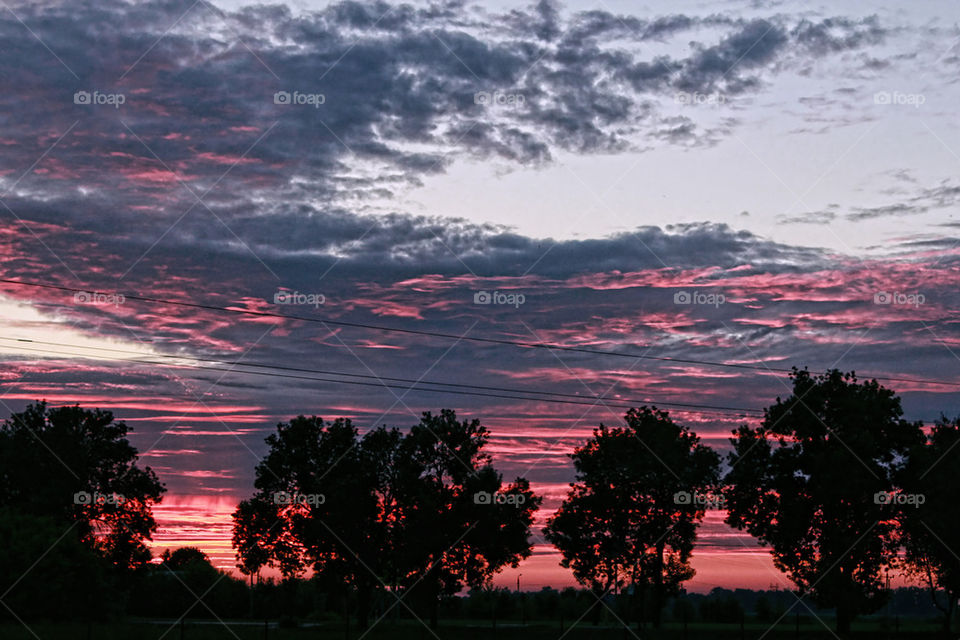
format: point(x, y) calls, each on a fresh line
point(523, 609)
point(797, 624)
point(889, 599)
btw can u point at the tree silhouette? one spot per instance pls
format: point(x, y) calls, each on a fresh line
point(315, 506)
point(46, 574)
point(182, 557)
point(928, 514)
point(75, 466)
point(460, 524)
point(256, 536)
point(811, 481)
point(186, 584)
point(387, 510)
point(631, 517)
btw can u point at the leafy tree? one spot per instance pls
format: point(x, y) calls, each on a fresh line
point(185, 583)
point(386, 509)
point(75, 466)
point(632, 515)
point(810, 480)
point(315, 506)
point(183, 557)
point(460, 524)
point(261, 538)
point(930, 521)
point(46, 574)
point(721, 605)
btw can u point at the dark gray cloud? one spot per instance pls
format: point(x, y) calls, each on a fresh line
point(392, 76)
point(833, 35)
point(944, 195)
point(754, 44)
point(406, 90)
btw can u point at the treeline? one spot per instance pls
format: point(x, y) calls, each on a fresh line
point(396, 524)
point(422, 513)
point(318, 599)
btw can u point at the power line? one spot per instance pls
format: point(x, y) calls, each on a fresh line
point(583, 400)
point(437, 334)
point(235, 363)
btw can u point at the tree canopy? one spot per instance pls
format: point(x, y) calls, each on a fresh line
point(811, 482)
point(76, 466)
point(928, 514)
point(631, 517)
point(423, 512)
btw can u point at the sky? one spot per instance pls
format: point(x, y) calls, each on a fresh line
point(764, 183)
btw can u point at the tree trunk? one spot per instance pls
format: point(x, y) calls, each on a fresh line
point(658, 588)
point(641, 603)
point(435, 613)
point(844, 618)
point(596, 607)
point(657, 612)
point(630, 604)
point(364, 595)
point(948, 618)
point(434, 595)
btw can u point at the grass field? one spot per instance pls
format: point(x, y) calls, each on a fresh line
point(453, 630)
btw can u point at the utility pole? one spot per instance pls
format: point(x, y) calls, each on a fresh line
point(889, 599)
point(523, 609)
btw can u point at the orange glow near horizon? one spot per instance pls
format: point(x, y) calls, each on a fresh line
point(724, 557)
